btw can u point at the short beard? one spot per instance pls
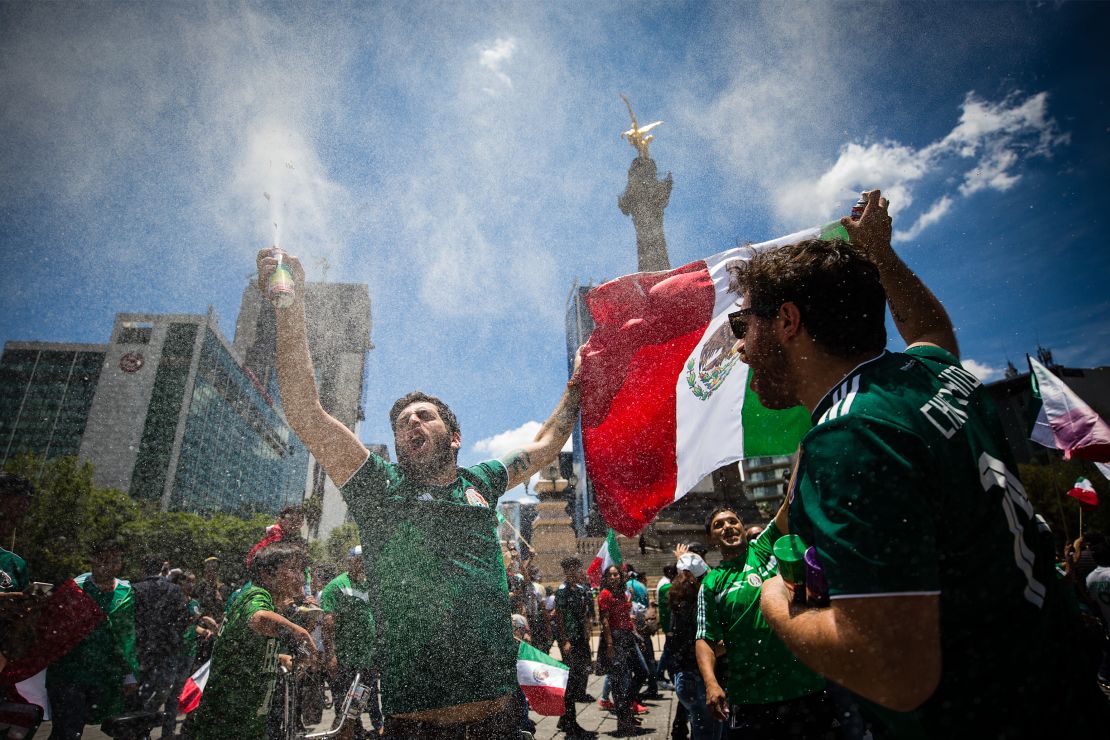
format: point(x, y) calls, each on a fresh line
point(444, 457)
point(775, 378)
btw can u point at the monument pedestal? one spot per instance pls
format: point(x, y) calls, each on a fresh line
point(553, 538)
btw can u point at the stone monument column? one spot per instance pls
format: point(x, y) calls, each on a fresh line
point(553, 536)
point(644, 199)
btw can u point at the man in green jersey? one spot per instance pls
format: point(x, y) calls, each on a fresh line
point(349, 633)
point(238, 696)
point(943, 600)
point(574, 608)
point(437, 582)
point(769, 693)
point(89, 682)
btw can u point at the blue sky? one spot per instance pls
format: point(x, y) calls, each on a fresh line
point(464, 160)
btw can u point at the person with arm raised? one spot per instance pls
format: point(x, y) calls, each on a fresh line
point(431, 554)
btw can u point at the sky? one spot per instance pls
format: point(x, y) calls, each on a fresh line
point(464, 161)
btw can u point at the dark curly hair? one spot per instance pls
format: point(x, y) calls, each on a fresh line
point(835, 287)
point(445, 411)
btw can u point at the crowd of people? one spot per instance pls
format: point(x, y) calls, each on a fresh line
point(936, 610)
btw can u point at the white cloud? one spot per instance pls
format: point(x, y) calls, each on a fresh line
point(507, 441)
point(996, 135)
point(495, 57)
point(936, 212)
point(981, 370)
point(510, 440)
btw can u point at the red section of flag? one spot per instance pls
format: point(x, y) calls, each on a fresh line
point(194, 689)
point(646, 326)
point(1087, 497)
point(545, 700)
point(68, 615)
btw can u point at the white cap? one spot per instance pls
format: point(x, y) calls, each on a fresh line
point(692, 562)
point(355, 552)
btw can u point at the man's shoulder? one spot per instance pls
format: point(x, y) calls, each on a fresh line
point(490, 474)
point(1100, 575)
point(373, 469)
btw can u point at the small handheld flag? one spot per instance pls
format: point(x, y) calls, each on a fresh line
point(542, 679)
point(1084, 492)
point(609, 554)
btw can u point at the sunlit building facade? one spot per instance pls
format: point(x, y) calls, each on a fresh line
point(178, 420)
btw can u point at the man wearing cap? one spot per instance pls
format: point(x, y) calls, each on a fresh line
point(431, 553)
point(349, 634)
point(768, 692)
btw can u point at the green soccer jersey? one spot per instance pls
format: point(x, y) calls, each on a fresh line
point(13, 572)
point(664, 608)
point(190, 636)
point(242, 675)
point(355, 630)
point(106, 657)
point(761, 669)
point(905, 486)
point(438, 589)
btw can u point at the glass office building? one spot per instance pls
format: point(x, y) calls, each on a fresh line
point(46, 390)
point(212, 439)
point(238, 454)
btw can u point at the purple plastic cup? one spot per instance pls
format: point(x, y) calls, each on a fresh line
point(816, 585)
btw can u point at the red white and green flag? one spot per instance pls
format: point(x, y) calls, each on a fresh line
point(542, 679)
point(1064, 420)
point(665, 400)
point(608, 554)
point(1084, 492)
point(194, 689)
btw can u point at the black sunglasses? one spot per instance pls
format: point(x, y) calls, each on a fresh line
point(738, 321)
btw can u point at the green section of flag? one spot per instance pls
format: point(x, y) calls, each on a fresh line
point(768, 432)
point(614, 548)
point(529, 653)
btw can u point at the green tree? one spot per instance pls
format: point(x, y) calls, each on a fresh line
point(68, 513)
point(340, 541)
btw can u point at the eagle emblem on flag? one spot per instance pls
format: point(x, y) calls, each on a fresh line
point(707, 369)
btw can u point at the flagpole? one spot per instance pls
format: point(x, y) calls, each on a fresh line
point(518, 534)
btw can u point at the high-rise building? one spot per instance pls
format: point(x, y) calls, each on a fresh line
point(337, 321)
point(46, 390)
point(176, 419)
point(164, 411)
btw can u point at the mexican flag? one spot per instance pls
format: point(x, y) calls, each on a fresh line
point(1064, 420)
point(194, 688)
point(608, 554)
point(665, 400)
point(1084, 492)
point(542, 679)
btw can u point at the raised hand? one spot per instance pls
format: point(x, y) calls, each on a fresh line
point(873, 228)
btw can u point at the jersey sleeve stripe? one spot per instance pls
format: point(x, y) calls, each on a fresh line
point(882, 595)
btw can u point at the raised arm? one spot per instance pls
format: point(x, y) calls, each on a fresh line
point(526, 461)
point(918, 315)
point(334, 446)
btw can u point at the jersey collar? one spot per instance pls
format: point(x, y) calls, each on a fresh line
point(843, 392)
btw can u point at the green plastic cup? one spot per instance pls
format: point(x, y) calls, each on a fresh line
point(790, 552)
